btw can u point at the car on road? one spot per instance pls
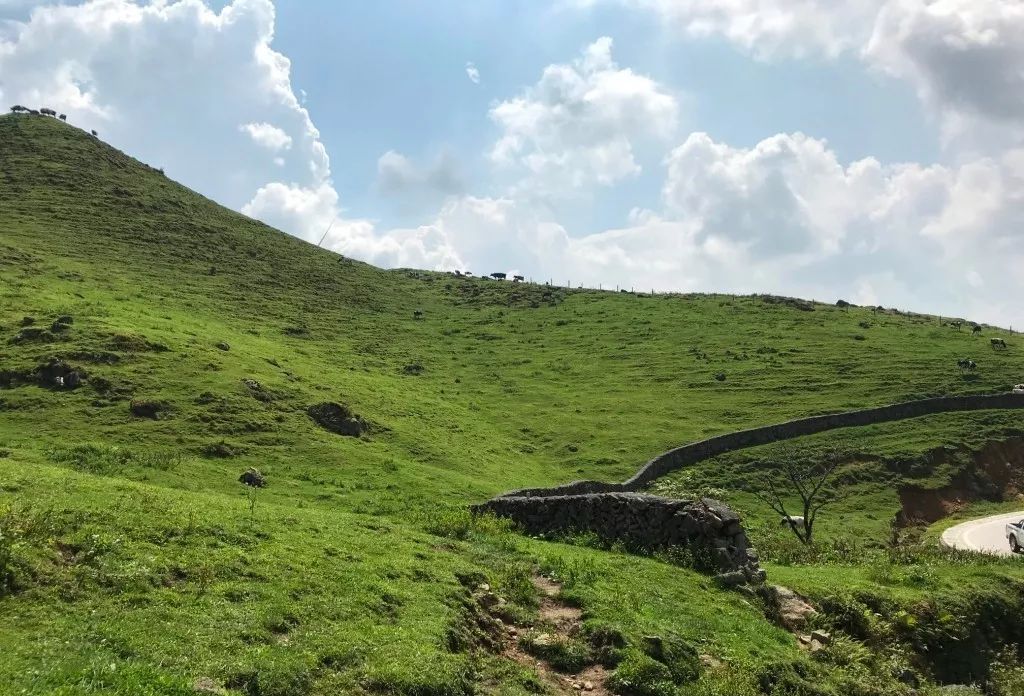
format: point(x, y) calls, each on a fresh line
point(1015, 535)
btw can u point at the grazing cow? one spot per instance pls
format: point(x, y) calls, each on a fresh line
point(458, 273)
point(417, 314)
point(18, 108)
point(47, 112)
point(793, 522)
point(466, 273)
point(499, 276)
point(63, 117)
point(966, 364)
point(998, 343)
point(518, 279)
point(975, 330)
point(957, 324)
point(34, 112)
point(94, 134)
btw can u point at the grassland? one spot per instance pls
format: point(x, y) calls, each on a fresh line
point(133, 562)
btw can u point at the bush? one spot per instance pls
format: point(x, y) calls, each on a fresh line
point(640, 675)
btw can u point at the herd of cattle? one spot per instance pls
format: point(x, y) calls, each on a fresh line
point(43, 111)
point(495, 276)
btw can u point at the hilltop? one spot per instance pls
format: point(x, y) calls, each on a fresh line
point(132, 561)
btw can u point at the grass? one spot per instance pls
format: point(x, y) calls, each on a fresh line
point(130, 559)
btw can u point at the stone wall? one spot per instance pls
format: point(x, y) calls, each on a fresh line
point(706, 527)
point(712, 447)
point(615, 512)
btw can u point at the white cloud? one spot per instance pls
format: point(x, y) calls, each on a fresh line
point(769, 28)
point(964, 57)
point(473, 73)
point(397, 175)
point(579, 124)
point(268, 136)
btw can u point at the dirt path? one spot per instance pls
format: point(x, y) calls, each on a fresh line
point(561, 621)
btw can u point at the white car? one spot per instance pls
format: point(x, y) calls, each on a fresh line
point(1015, 535)
point(1018, 389)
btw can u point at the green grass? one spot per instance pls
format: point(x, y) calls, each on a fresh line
point(136, 565)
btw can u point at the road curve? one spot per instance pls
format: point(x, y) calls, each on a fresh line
point(987, 535)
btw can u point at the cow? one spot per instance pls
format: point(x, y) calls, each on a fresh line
point(966, 364)
point(34, 112)
point(499, 276)
point(793, 522)
point(518, 279)
point(975, 330)
point(47, 112)
point(63, 117)
point(17, 109)
point(94, 134)
point(957, 324)
point(998, 343)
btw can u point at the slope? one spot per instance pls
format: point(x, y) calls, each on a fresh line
point(335, 576)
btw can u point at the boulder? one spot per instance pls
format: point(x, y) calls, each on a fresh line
point(338, 419)
point(253, 478)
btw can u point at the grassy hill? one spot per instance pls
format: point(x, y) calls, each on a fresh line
point(133, 562)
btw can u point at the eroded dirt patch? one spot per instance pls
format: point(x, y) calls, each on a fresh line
point(550, 646)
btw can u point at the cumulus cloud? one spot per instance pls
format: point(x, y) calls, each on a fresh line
point(270, 137)
point(579, 124)
point(473, 73)
point(769, 29)
point(199, 92)
point(965, 58)
point(397, 175)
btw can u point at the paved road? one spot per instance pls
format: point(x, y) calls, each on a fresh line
point(987, 534)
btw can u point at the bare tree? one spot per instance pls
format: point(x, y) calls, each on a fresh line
point(810, 483)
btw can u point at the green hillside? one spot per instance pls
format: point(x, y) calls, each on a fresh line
point(133, 562)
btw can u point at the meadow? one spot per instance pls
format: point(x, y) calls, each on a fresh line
point(132, 561)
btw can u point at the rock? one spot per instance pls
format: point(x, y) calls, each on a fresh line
point(338, 418)
point(793, 610)
point(253, 478)
point(588, 686)
point(223, 346)
point(731, 579)
point(823, 637)
point(57, 374)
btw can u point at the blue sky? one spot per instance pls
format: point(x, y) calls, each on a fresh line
point(391, 76)
point(871, 151)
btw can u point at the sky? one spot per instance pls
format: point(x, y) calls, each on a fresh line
point(871, 150)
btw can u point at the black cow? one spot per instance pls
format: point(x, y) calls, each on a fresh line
point(998, 343)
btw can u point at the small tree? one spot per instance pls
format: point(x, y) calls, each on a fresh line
point(811, 484)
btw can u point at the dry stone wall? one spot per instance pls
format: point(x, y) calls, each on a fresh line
point(709, 529)
point(615, 512)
